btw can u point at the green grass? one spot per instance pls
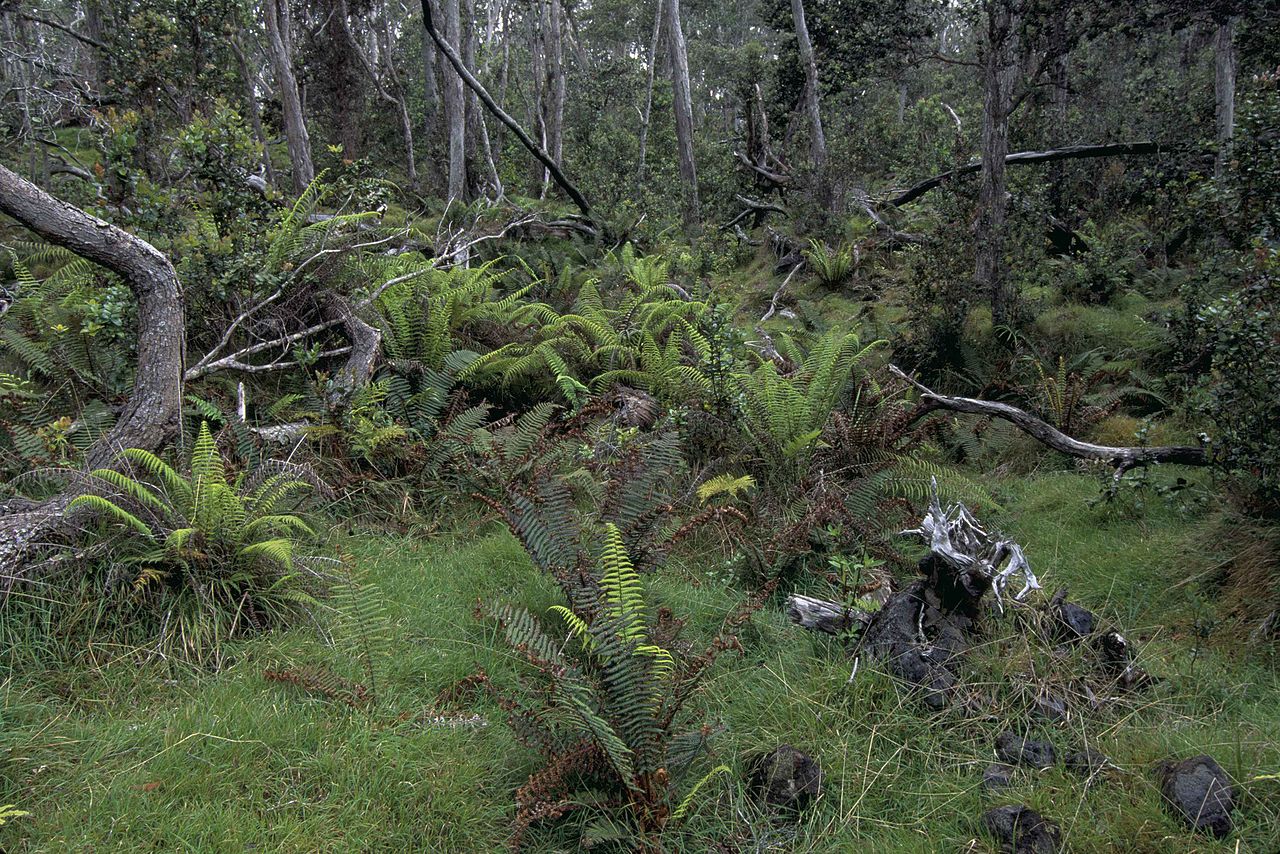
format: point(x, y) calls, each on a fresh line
point(130, 758)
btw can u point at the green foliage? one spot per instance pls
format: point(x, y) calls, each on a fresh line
point(833, 267)
point(608, 719)
point(783, 414)
point(203, 559)
point(63, 347)
point(1243, 391)
point(648, 337)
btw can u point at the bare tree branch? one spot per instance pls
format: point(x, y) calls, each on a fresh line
point(1070, 152)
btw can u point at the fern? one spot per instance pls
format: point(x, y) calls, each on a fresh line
point(725, 484)
point(226, 546)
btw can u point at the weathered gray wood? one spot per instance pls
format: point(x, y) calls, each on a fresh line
point(1122, 458)
point(818, 615)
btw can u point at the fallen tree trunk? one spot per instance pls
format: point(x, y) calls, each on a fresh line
point(1072, 152)
point(502, 115)
point(1121, 458)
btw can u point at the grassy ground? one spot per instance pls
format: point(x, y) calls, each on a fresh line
point(123, 757)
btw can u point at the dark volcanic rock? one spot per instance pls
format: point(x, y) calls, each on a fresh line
point(893, 635)
point(1086, 762)
point(786, 778)
point(1072, 622)
point(1200, 791)
point(1024, 751)
point(997, 776)
point(1022, 830)
point(1115, 655)
point(1050, 705)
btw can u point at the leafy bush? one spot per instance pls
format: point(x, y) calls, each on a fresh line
point(200, 558)
point(1243, 388)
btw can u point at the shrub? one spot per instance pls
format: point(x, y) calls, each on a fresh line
point(1243, 388)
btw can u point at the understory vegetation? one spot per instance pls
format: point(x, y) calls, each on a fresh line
point(461, 426)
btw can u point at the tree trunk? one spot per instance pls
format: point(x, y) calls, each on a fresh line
point(997, 71)
point(393, 95)
point(1058, 130)
point(295, 126)
point(249, 80)
point(337, 66)
point(151, 414)
point(430, 90)
point(556, 86)
point(502, 115)
point(455, 110)
point(683, 114)
point(648, 91)
point(817, 139)
point(1224, 91)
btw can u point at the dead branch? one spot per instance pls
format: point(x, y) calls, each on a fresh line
point(1122, 458)
point(1071, 152)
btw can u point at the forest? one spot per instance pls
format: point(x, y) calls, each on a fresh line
point(660, 426)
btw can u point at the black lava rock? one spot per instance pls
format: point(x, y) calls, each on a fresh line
point(1086, 762)
point(1024, 751)
point(1200, 791)
point(786, 778)
point(1073, 622)
point(997, 776)
point(1021, 830)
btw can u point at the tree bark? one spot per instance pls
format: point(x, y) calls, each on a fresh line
point(455, 110)
point(150, 416)
point(295, 125)
point(683, 114)
point(1224, 91)
point(556, 84)
point(537, 151)
point(998, 66)
point(812, 104)
point(648, 91)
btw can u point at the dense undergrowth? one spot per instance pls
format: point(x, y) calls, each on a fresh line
point(476, 522)
point(121, 755)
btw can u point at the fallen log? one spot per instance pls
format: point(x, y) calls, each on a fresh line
point(1071, 152)
point(1119, 457)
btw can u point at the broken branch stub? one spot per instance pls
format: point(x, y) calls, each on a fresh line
point(980, 560)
